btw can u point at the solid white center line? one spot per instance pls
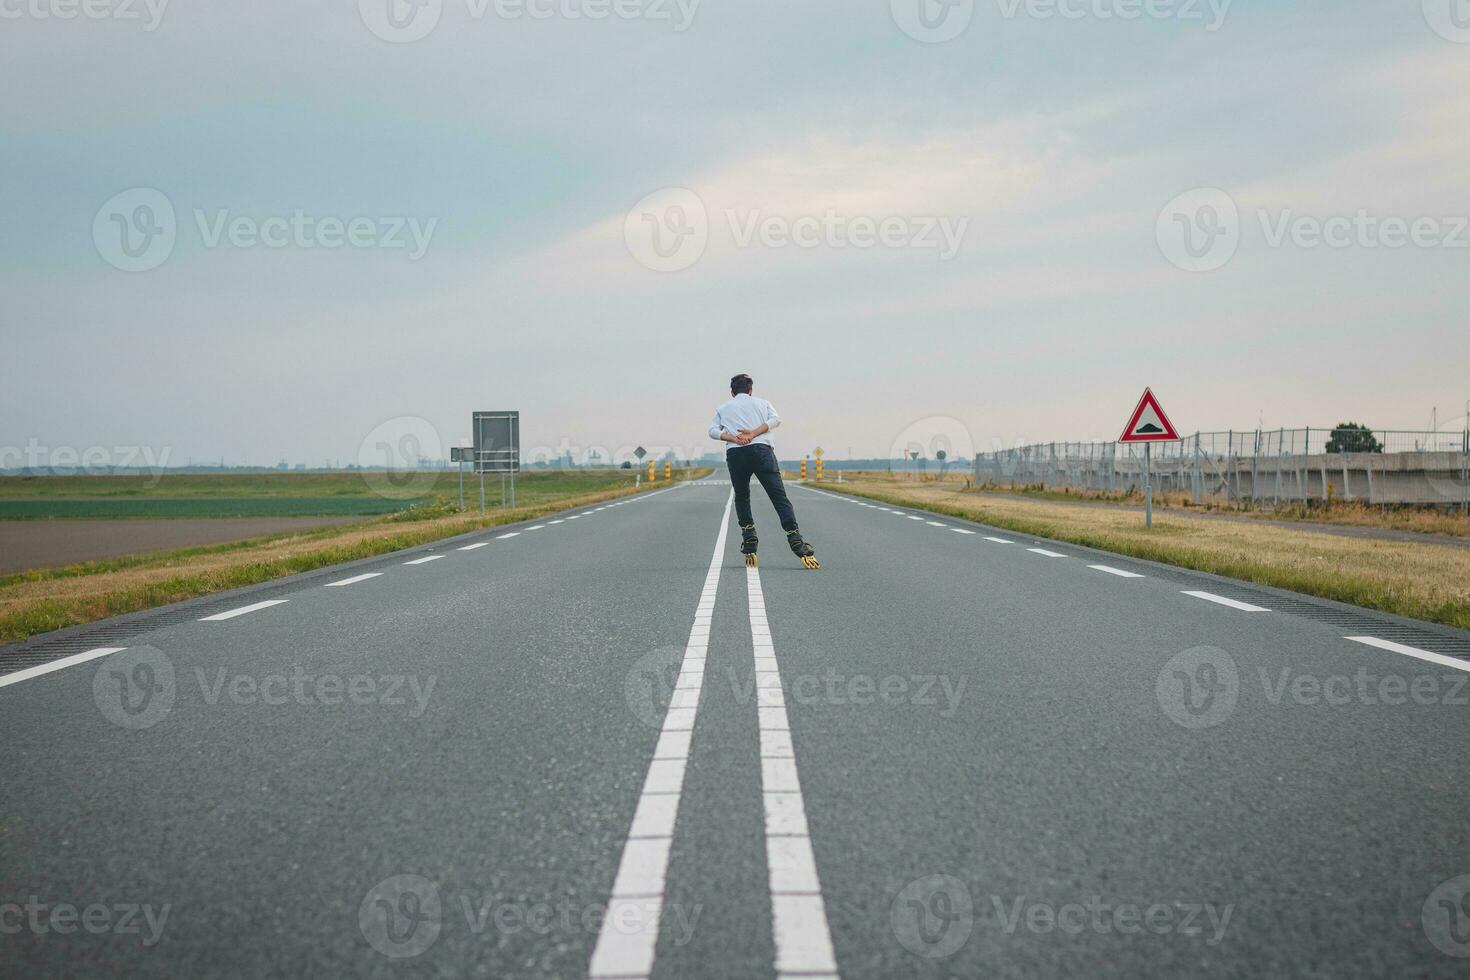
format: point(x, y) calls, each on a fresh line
point(424, 560)
point(629, 934)
point(1048, 554)
point(1115, 571)
point(999, 540)
point(64, 662)
point(1232, 603)
point(353, 580)
point(472, 547)
point(221, 617)
point(1373, 641)
point(798, 914)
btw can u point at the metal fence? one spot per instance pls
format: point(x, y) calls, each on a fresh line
point(1257, 465)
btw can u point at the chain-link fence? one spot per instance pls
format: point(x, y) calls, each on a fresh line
point(1257, 465)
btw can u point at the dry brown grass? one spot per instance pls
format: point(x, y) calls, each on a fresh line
point(1424, 580)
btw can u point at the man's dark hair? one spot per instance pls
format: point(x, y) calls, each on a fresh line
point(741, 384)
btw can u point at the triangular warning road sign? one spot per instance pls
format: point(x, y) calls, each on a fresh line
point(1149, 423)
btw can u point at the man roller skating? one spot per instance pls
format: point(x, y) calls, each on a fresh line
point(745, 422)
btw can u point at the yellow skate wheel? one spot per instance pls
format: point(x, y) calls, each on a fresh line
point(810, 561)
point(750, 561)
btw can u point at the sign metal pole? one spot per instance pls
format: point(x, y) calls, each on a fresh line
point(1148, 486)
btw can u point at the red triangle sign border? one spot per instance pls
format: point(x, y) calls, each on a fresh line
point(1149, 401)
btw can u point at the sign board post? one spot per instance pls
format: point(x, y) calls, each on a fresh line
point(459, 455)
point(498, 450)
point(1148, 425)
point(640, 452)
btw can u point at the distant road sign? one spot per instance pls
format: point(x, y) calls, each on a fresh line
point(497, 442)
point(640, 452)
point(1149, 423)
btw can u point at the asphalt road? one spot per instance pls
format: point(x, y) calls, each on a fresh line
point(603, 744)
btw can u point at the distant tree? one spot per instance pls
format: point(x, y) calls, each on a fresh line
point(1350, 437)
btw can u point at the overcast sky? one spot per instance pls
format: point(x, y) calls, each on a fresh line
point(597, 220)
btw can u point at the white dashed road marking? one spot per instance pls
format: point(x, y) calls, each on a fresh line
point(221, 617)
point(502, 537)
point(1044, 552)
point(64, 662)
point(629, 935)
point(425, 560)
point(1232, 603)
point(999, 540)
point(1115, 571)
point(353, 580)
point(472, 547)
point(1373, 641)
point(960, 530)
point(935, 524)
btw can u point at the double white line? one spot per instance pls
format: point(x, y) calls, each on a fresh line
point(625, 945)
point(629, 936)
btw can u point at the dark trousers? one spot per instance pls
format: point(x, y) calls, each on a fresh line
point(759, 461)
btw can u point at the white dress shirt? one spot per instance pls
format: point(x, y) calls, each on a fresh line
point(744, 412)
